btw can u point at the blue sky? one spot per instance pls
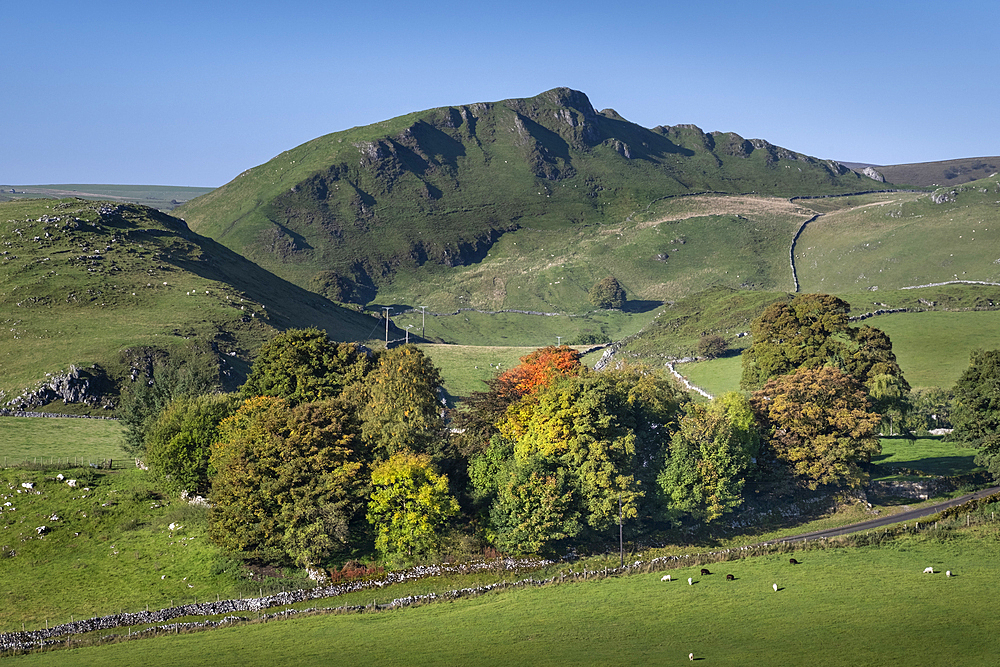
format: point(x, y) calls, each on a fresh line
point(193, 93)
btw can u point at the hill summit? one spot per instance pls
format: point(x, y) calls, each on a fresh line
point(343, 214)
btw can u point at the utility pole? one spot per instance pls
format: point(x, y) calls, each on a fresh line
point(621, 543)
point(388, 310)
point(423, 321)
point(558, 341)
point(408, 327)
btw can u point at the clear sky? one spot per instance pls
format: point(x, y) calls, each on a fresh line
point(193, 93)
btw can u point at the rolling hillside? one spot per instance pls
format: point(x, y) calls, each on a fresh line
point(81, 282)
point(391, 208)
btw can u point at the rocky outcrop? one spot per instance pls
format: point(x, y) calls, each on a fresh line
point(873, 174)
point(75, 386)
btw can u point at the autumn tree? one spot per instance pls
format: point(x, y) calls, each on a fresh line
point(179, 443)
point(288, 480)
point(712, 346)
point(399, 404)
point(813, 330)
point(976, 416)
point(608, 293)
point(409, 505)
point(818, 421)
point(304, 365)
point(537, 370)
point(711, 456)
point(582, 442)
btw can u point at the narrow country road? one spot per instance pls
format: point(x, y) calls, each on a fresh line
point(910, 515)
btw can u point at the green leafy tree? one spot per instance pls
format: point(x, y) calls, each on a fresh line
point(608, 293)
point(795, 334)
point(288, 480)
point(187, 372)
point(930, 408)
point(584, 442)
point(976, 416)
point(179, 444)
point(818, 422)
point(533, 512)
point(712, 346)
point(399, 406)
point(813, 330)
point(410, 503)
point(711, 456)
point(302, 365)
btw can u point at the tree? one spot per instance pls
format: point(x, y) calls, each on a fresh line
point(608, 293)
point(818, 422)
point(179, 444)
point(187, 372)
point(712, 453)
point(582, 442)
point(712, 346)
point(409, 505)
point(791, 335)
point(302, 365)
point(288, 480)
point(399, 404)
point(485, 410)
point(812, 330)
point(976, 416)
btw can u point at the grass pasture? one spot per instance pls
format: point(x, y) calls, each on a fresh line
point(27, 439)
point(841, 606)
point(928, 455)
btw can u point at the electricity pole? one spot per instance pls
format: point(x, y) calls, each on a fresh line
point(388, 310)
point(423, 321)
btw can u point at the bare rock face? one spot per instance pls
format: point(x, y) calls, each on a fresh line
point(873, 174)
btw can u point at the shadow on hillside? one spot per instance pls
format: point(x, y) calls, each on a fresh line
point(641, 306)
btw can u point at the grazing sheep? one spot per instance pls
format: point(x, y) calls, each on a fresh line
point(690, 656)
point(705, 571)
point(690, 581)
point(730, 577)
point(775, 587)
point(665, 577)
point(928, 570)
point(948, 573)
point(793, 561)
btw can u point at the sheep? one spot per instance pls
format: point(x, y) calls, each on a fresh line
point(793, 561)
point(775, 587)
point(705, 571)
point(948, 573)
point(928, 570)
point(690, 582)
point(730, 577)
point(665, 577)
point(690, 656)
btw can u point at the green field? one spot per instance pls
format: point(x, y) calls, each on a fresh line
point(56, 440)
point(928, 455)
point(841, 606)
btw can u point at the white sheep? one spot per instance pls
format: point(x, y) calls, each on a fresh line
point(775, 587)
point(928, 570)
point(690, 656)
point(665, 577)
point(948, 573)
point(690, 583)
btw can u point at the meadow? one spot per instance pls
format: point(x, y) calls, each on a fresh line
point(868, 605)
point(59, 440)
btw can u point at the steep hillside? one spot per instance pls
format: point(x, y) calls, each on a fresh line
point(943, 173)
point(346, 213)
point(81, 282)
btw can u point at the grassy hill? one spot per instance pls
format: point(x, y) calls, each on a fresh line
point(81, 282)
point(943, 173)
point(387, 211)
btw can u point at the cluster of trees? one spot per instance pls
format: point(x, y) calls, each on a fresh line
point(329, 448)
